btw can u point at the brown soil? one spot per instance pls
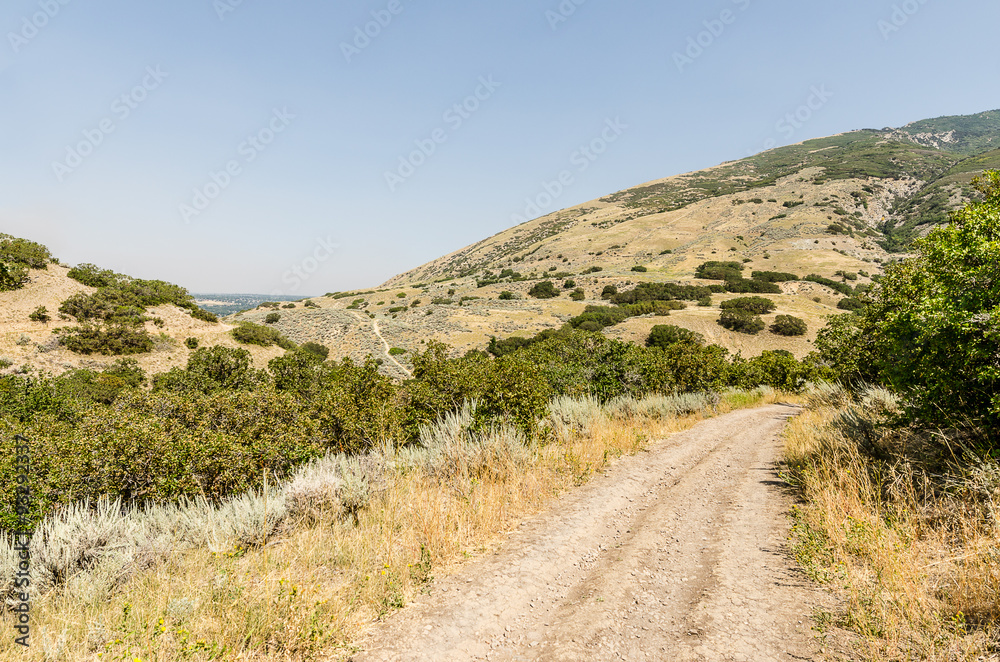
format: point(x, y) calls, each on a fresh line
point(676, 554)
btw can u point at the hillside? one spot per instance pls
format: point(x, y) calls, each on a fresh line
point(838, 207)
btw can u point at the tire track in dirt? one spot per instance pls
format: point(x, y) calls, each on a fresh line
point(675, 554)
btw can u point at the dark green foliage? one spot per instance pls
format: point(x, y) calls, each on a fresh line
point(640, 269)
point(85, 387)
point(601, 316)
point(757, 305)
point(544, 290)
point(786, 325)
point(23, 252)
point(12, 276)
point(569, 284)
point(665, 335)
point(719, 270)
point(320, 351)
point(40, 314)
point(593, 270)
point(114, 339)
point(934, 318)
point(93, 276)
point(249, 333)
point(744, 286)
point(705, 302)
point(741, 321)
point(843, 288)
point(578, 294)
point(507, 296)
point(191, 343)
point(777, 369)
point(773, 276)
point(396, 351)
point(298, 371)
point(851, 303)
point(661, 292)
point(203, 315)
point(209, 370)
point(272, 318)
point(609, 291)
point(507, 345)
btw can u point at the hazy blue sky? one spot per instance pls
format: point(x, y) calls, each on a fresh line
point(120, 119)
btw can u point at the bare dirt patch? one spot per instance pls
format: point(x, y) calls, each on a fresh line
point(675, 554)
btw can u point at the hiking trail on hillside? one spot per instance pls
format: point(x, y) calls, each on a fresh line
point(678, 553)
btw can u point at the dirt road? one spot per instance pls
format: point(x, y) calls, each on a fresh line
point(675, 554)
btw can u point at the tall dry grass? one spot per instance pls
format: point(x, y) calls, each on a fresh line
point(299, 571)
point(904, 524)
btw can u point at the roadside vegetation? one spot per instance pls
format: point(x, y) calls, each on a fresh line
point(899, 466)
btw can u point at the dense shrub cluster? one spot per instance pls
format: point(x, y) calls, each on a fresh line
point(656, 292)
point(544, 290)
point(112, 318)
point(843, 288)
point(786, 325)
point(719, 270)
point(249, 333)
point(665, 335)
point(773, 276)
point(930, 329)
point(26, 253)
point(742, 321)
point(757, 305)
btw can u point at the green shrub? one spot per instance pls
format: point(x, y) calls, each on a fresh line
point(107, 339)
point(578, 294)
point(544, 290)
point(204, 315)
point(316, 349)
point(744, 286)
point(786, 325)
point(593, 270)
point(249, 333)
point(569, 284)
point(741, 321)
point(40, 314)
point(639, 268)
point(757, 305)
point(609, 291)
point(851, 303)
point(210, 370)
point(272, 318)
point(12, 276)
point(773, 276)
point(714, 270)
point(396, 351)
point(661, 292)
point(705, 301)
point(191, 343)
point(24, 252)
point(843, 288)
point(665, 335)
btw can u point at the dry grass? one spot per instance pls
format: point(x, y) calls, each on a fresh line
point(904, 526)
point(333, 568)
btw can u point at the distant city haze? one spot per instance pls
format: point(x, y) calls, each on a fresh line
point(294, 149)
